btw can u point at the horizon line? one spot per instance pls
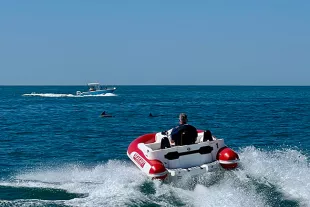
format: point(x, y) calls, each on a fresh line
point(156, 85)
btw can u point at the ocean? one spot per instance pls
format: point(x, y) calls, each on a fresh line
point(56, 150)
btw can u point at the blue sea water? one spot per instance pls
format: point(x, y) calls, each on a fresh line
point(56, 150)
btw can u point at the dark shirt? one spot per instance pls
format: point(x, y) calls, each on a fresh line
point(191, 134)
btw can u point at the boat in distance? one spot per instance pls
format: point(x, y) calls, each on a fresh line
point(96, 89)
point(160, 160)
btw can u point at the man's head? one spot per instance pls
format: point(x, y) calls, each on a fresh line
point(183, 118)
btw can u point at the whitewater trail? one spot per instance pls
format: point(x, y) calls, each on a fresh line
point(264, 178)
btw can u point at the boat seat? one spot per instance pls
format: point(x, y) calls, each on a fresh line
point(207, 136)
point(188, 137)
point(165, 143)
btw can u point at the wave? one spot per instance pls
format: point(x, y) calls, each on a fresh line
point(264, 178)
point(58, 95)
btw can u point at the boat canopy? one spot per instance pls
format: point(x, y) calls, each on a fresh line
point(94, 86)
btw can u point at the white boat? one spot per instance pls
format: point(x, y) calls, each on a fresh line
point(172, 163)
point(96, 89)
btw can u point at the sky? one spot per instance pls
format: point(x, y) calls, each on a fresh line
point(175, 42)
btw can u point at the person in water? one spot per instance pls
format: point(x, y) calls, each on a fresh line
point(104, 114)
point(151, 115)
point(183, 134)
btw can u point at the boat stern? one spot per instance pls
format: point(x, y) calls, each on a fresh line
point(180, 173)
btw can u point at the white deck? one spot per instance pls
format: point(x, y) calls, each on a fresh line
point(153, 152)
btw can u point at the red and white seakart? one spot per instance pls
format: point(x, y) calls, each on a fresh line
point(172, 163)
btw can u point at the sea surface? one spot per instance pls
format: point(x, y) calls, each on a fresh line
point(56, 150)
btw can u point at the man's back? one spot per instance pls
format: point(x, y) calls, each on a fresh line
point(184, 134)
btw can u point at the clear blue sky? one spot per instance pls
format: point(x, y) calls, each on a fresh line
point(246, 42)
